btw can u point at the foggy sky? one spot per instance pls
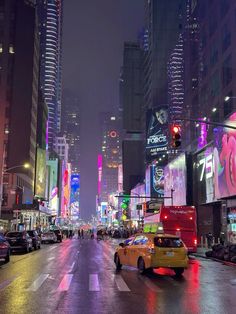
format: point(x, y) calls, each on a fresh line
point(94, 32)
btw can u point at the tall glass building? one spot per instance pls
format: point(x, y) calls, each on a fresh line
point(50, 30)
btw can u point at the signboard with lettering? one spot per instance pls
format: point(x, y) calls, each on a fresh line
point(157, 132)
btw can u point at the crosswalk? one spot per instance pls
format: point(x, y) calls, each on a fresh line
point(95, 283)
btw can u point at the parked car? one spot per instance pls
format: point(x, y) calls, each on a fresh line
point(58, 234)
point(151, 250)
point(48, 237)
point(35, 239)
point(19, 240)
point(5, 250)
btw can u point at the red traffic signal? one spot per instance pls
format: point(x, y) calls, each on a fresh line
point(176, 136)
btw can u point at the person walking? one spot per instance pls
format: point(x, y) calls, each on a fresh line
point(79, 234)
point(82, 234)
point(209, 239)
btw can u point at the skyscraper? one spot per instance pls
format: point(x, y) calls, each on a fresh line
point(50, 30)
point(162, 30)
point(19, 47)
point(70, 127)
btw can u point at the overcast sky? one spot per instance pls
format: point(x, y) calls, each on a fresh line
point(94, 32)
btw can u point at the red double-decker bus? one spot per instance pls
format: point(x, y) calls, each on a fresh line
point(177, 220)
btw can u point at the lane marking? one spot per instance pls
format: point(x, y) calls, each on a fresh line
point(65, 283)
point(150, 284)
point(93, 282)
point(51, 258)
point(38, 282)
point(52, 248)
point(7, 282)
point(71, 268)
point(121, 284)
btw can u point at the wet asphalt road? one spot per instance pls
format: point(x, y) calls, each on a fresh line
point(78, 276)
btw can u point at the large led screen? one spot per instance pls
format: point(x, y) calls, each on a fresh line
point(157, 181)
point(175, 179)
point(225, 160)
point(74, 195)
point(40, 175)
point(157, 132)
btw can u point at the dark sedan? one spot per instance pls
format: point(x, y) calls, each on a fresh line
point(4, 249)
point(35, 239)
point(19, 240)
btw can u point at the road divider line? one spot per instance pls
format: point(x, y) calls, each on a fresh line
point(65, 283)
point(150, 284)
point(52, 248)
point(72, 267)
point(120, 283)
point(38, 282)
point(51, 258)
point(93, 282)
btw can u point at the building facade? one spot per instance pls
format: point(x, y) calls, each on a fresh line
point(50, 31)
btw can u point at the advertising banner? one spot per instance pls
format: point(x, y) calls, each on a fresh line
point(156, 131)
point(175, 178)
point(157, 181)
point(74, 195)
point(40, 175)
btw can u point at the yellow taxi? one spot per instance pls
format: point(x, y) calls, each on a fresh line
point(152, 250)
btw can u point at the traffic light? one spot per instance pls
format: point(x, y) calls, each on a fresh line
point(125, 202)
point(176, 135)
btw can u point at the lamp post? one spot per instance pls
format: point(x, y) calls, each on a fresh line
point(5, 171)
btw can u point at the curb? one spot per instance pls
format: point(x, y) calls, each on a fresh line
point(216, 260)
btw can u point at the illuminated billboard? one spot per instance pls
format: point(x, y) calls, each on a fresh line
point(40, 175)
point(74, 195)
point(157, 132)
point(99, 173)
point(157, 181)
point(175, 179)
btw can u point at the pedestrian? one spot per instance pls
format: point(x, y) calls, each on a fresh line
point(70, 234)
point(209, 239)
point(222, 238)
point(79, 235)
point(82, 234)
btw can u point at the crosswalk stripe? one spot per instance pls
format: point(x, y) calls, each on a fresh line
point(150, 284)
point(93, 282)
point(121, 284)
point(38, 282)
point(72, 267)
point(65, 283)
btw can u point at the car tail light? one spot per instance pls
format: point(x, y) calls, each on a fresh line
point(191, 218)
point(178, 229)
point(195, 241)
point(151, 249)
point(165, 217)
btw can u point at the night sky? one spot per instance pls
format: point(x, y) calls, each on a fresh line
point(94, 33)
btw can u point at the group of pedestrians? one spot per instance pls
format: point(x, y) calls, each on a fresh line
point(80, 234)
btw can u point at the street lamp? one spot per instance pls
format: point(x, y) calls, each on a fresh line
point(5, 171)
point(25, 165)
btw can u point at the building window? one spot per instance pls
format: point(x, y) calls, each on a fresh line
point(227, 71)
point(215, 84)
point(11, 49)
point(226, 37)
point(214, 53)
point(224, 7)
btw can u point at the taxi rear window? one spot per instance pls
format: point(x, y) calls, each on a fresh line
point(168, 242)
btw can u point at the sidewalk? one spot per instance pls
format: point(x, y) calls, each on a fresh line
point(201, 253)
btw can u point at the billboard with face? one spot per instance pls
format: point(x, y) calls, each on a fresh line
point(225, 160)
point(40, 175)
point(175, 178)
point(157, 181)
point(157, 132)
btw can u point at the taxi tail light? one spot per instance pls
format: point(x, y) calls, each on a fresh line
point(152, 249)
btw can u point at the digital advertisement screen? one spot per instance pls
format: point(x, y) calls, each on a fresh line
point(224, 160)
point(75, 194)
point(40, 175)
point(157, 132)
point(157, 181)
point(175, 178)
